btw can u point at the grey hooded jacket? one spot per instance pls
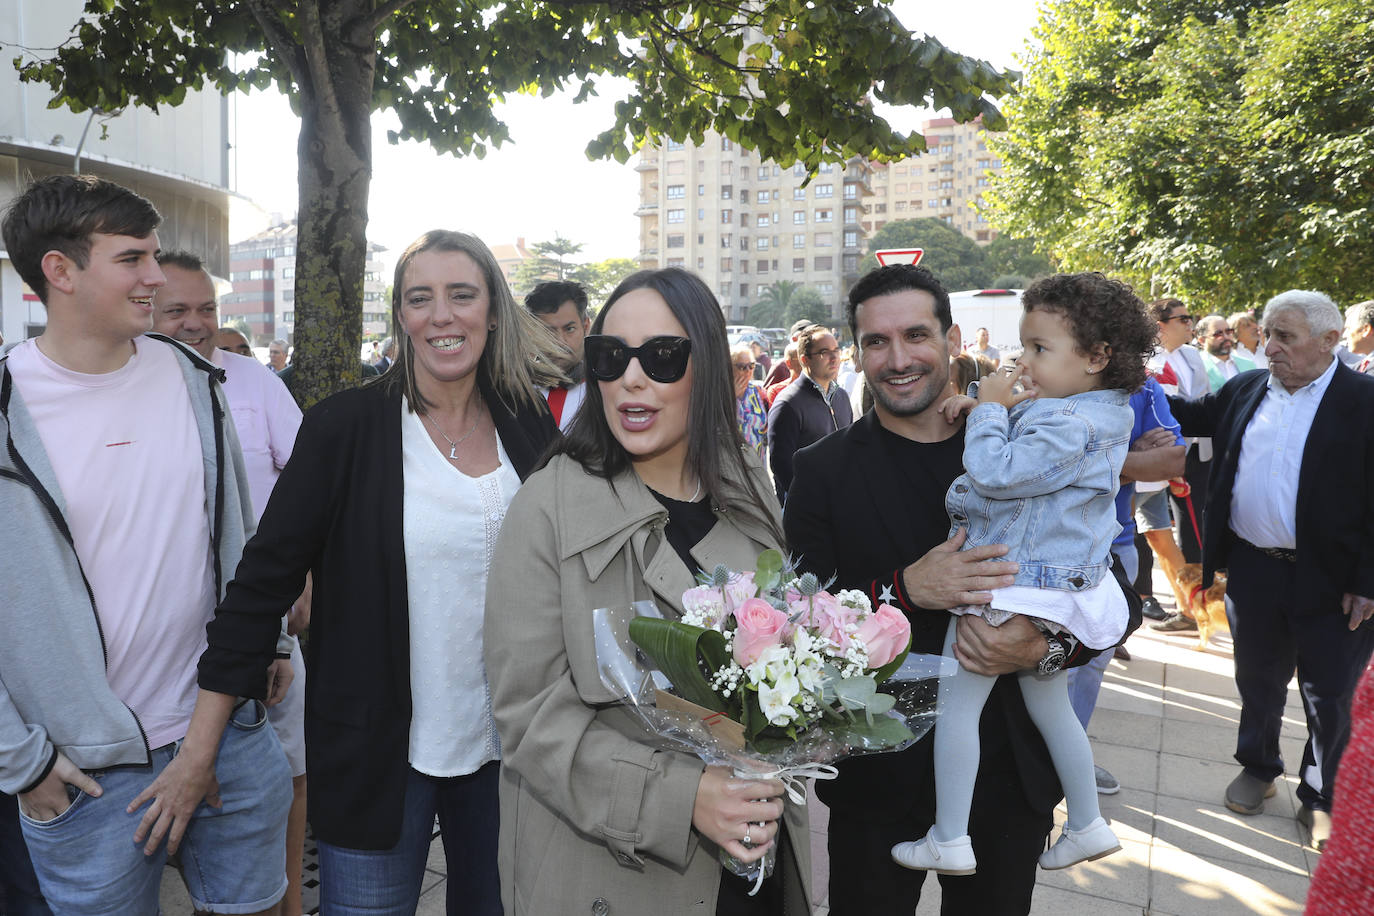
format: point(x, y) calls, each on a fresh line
point(53, 692)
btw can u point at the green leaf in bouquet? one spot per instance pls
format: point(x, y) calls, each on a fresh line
point(882, 731)
point(878, 704)
point(856, 692)
point(768, 571)
point(679, 650)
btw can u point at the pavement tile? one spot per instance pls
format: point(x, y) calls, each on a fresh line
point(1133, 767)
point(1204, 740)
point(1211, 830)
point(1127, 729)
point(1187, 883)
point(1122, 878)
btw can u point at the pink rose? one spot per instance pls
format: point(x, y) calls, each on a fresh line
point(739, 589)
point(828, 618)
point(885, 634)
point(706, 601)
point(758, 626)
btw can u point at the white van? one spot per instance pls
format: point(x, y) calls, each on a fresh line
point(998, 310)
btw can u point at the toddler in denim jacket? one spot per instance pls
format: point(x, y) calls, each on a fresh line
point(1044, 444)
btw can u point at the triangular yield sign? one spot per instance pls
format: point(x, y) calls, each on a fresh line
point(888, 256)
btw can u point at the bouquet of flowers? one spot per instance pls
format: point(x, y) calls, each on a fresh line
point(771, 674)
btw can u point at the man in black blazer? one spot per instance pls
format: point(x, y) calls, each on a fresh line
point(866, 505)
point(1291, 517)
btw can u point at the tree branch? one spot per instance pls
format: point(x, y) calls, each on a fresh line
point(365, 28)
point(279, 39)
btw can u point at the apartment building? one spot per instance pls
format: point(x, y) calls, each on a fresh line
point(946, 182)
point(742, 223)
point(262, 269)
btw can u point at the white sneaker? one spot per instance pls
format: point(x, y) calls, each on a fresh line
point(929, 854)
point(1073, 846)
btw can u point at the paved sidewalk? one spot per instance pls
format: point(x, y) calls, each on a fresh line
point(1165, 727)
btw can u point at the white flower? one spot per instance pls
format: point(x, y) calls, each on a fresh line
point(703, 606)
point(773, 663)
point(776, 701)
point(856, 599)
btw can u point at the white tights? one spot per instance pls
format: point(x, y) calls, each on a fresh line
point(962, 696)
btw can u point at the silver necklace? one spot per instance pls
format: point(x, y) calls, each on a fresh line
point(452, 445)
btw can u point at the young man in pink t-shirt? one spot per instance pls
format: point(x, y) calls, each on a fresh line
point(125, 505)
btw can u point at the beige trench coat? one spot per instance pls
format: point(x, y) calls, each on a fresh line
point(594, 820)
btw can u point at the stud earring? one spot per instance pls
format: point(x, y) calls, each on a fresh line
point(491, 327)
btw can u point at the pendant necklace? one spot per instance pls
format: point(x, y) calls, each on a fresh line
point(452, 445)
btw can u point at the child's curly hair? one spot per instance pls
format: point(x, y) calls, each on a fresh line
point(1101, 310)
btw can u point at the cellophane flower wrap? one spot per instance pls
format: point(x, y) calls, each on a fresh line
point(793, 667)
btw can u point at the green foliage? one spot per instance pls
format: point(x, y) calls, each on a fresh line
point(1008, 257)
point(549, 261)
point(786, 302)
point(1215, 151)
point(954, 258)
point(675, 648)
point(601, 278)
point(443, 66)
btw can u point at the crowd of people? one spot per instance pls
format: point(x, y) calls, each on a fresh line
point(444, 531)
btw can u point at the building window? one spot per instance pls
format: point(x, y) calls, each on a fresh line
point(701, 190)
point(825, 216)
point(744, 195)
point(761, 267)
point(762, 290)
point(288, 294)
point(763, 197)
point(901, 205)
point(743, 290)
point(825, 190)
point(900, 189)
point(701, 263)
point(878, 208)
point(825, 239)
point(726, 240)
point(851, 263)
point(727, 215)
point(827, 168)
point(674, 146)
point(288, 272)
point(947, 184)
point(763, 172)
point(851, 191)
point(799, 217)
point(851, 239)
point(744, 220)
point(762, 220)
point(677, 241)
point(677, 216)
point(701, 212)
point(851, 214)
point(799, 193)
point(726, 145)
point(677, 191)
point(727, 191)
point(674, 262)
point(762, 243)
point(744, 265)
point(798, 265)
point(825, 262)
point(799, 240)
point(727, 265)
point(744, 243)
point(825, 289)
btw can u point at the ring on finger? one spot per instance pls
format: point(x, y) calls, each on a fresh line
point(747, 841)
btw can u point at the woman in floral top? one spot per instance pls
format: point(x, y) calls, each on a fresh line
point(749, 406)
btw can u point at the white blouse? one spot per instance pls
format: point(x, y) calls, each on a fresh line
point(451, 522)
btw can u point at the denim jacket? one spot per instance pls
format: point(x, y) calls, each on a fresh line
point(1042, 479)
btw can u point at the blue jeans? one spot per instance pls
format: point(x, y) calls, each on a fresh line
point(19, 894)
point(233, 857)
point(387, 882)
point(1085, 681)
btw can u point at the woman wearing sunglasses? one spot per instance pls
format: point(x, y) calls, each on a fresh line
point(752, 412)
point(651, 483)
point(393, 497)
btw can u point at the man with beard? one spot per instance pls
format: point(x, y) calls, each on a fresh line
point(562, 307)
point(1218, 346)
point(867, 506)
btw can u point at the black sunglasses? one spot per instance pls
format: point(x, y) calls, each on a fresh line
point(663, 359)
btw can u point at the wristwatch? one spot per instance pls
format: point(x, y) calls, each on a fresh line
point(1053, 660)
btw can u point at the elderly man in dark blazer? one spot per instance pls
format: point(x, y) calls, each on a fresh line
point(1291, 515)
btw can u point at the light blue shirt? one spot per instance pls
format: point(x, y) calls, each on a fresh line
point(1264, 499)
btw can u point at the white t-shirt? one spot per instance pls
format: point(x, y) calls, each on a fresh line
point(265, 417)
point(451, 524)
point(126, 452)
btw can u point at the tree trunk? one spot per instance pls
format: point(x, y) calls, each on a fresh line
point(335, 161)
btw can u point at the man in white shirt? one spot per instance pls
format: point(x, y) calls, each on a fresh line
point(266, 418)
point(1301, 570)
point(1359, 334)
point(1218, 354)
point(1249, 339)
point(561, 306)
